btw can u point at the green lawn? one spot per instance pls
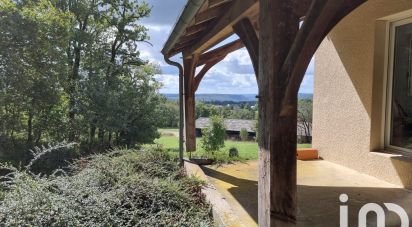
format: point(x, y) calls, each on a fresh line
point(247, 150)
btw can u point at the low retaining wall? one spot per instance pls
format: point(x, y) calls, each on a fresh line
point(223, 214)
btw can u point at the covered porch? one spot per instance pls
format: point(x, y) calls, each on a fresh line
point(281, 37)
point(319, 186)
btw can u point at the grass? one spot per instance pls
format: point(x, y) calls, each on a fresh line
point(247, 150)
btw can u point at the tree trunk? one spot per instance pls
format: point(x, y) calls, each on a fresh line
point(73, 80)
point(110, 139)
point(92, 135)
point(38, 137)
point(30, 128)
point(101, 136)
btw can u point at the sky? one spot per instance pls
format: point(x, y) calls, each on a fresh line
point(233, 75)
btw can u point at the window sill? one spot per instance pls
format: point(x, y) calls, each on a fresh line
point(394, 154)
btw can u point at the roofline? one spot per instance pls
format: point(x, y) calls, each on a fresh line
point(189, 12)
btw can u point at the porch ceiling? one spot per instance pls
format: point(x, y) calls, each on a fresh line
point(196, 32)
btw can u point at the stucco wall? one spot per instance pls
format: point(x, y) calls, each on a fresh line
point(349, 91)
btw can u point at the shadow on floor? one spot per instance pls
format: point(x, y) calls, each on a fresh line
point(245, 191)
point(319, 205)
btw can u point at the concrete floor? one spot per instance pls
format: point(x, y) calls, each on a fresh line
point(320, 183)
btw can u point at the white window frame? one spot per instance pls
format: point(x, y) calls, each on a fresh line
point(389, 82)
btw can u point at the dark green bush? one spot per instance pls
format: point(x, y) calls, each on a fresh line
point(233, 152)
point(121, 188)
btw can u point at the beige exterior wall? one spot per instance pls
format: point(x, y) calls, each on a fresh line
point(349, 93)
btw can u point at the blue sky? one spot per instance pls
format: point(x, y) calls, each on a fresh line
point(234, 75)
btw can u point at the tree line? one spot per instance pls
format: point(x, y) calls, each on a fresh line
point(170, 112)
point(71, 70)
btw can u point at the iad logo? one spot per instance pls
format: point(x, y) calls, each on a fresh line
point(372, 207)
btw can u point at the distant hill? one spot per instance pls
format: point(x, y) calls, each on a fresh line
point(229, 97)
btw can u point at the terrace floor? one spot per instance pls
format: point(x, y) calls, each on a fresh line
point(320, 183)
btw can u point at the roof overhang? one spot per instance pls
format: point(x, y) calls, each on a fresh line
point(205, 23)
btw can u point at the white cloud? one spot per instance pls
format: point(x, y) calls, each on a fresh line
point(170, 83)
point(241, 57)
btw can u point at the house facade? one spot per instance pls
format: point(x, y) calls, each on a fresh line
point(362, 113)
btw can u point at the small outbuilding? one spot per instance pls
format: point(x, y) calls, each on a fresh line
point(232, 126)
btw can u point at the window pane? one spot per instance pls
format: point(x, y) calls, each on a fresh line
point(401, 122)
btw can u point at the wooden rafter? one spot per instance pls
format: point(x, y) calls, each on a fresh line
point(223, 27)
point(220, 52)
point(197, 28)
point(188, 38)
point(246, 32)
point(180, 47)
point(213, 3)
point(211, 13)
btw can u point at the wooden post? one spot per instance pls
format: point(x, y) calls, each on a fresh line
point(277, 176)
point(189, 65)
point(285, 52)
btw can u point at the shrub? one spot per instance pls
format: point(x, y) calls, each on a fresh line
point(244, 135)
point(233, 152)
point(213, 137)
point(121, 188)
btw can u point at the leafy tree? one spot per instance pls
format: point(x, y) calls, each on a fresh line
point(213, 137)
point(233, 111)
point(305, 113)
point(71, 70)
point(169, 115)
point(33, 36)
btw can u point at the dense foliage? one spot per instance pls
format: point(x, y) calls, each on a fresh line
point(121, 188)
point(233, 111)
point(305, 116)
point(70, 70)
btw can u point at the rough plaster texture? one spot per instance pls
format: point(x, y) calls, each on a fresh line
point(349, 94)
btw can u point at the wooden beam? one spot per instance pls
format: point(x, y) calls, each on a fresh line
point(211, 13)
point(302, 8)
point(223, 28)
point(321, 18)
point(277, 141)
point(220, 52)
point(213, 3)
point(204, 70)
point(189, 65)
point(246, 32)
point(196, 28)
point(189, 38)
point(285, 53)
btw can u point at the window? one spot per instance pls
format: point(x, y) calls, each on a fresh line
point(399, 99)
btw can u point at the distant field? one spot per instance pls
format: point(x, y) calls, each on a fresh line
point(247, 150)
